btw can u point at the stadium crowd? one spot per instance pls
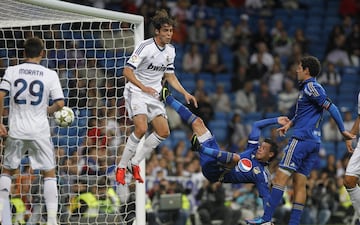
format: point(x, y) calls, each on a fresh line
point(241, 68)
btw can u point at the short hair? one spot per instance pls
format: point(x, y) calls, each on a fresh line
point(312, 63)
point(161, 18)
point(33, 47)
point(274, 148)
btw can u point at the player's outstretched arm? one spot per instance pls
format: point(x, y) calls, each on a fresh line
point(258, 125)
point(174, 82)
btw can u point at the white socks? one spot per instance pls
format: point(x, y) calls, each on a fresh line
point(51, 200)
point(5, 214)
point(355, 198)
point(129, 151)
point(151, 142)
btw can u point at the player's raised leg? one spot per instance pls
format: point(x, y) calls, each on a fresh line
point(202, 140)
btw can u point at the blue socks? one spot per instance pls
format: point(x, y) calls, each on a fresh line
point(185, 114)
point(274, 200)
point(296, 213)
point(221, 156)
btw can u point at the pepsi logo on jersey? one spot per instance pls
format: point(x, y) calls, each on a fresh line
point(245, 165)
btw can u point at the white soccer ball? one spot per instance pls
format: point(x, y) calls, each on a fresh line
point(64, 117)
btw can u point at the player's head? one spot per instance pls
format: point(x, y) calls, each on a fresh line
point(308, 66)
point(267, 151)
point(164, 26)
point(33, 47)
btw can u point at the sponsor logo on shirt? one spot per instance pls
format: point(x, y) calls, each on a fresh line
point(245, 165)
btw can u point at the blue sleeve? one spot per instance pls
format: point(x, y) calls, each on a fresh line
point(335, 114)
point(258, 125)
point(264, 192)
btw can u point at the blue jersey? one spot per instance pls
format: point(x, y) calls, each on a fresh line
point(248, 170)
point(309, 111)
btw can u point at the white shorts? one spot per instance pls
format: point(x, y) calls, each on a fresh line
point(141, 103)
point(353, 167)
point(41, 153)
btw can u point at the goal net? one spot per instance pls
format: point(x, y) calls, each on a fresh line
point(88, 48)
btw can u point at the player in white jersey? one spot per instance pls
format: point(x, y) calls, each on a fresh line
point(151, 60)
point(352, 173)
point(30, 87)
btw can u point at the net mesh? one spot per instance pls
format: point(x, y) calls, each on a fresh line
point(89, 54)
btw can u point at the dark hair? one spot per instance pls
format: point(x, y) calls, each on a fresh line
point(312, 63)
point(274, 148)
point(33, 47)
point(161, 18)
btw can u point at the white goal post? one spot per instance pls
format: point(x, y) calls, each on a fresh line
point(88, 47)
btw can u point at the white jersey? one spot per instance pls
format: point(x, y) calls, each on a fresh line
point(30, 88)
point(150, 62)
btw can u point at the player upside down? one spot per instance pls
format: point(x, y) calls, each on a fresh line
point(249, 166)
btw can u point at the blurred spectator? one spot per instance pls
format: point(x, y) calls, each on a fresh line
point(261, 35)
point(353, 44)
point(300, 39)
point(282, 44)
point(296, 55)
point(213, 30)
point(245, 99)
point(192, 60)
point(211, 197)
point(241, 57)
point(197, 32)
point(265, 100)
point(242, 32)
point(330, 76)
point(200, 10)
point(248, 201)
point(213, 61)
point(276, 79)
point(277, 29)
point(227, 33)
point(239, 78)
point(257, 69)
point(220, 99)
point(262, 55)
point(287, 98)
point(338, 55)
point(330, 131)
point(336, 31)
point(238, 132)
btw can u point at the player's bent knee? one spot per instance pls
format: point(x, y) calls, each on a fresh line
point(350, 181)
point(198, 124)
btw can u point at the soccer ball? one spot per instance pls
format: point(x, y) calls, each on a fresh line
point(64, 117)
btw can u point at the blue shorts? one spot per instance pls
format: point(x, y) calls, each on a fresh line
point(210, 166)
point(300, 156)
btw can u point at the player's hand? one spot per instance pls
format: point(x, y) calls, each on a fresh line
point(349, 146)
point(347, 135)
point(190, 98)
point(282, 120)
point(151, 91)
point(3, 131)
point(282, 130)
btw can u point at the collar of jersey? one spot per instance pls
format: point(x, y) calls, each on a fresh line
point(160, 49)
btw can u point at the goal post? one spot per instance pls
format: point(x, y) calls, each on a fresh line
point(88, 47)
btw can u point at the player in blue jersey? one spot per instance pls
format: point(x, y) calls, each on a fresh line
point(249, 166)
point(301, 153)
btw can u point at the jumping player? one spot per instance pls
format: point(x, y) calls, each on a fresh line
point(249, 166)
point(151, 60)
point(302, 150)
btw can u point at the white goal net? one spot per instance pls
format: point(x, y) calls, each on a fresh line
point(88, 48)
